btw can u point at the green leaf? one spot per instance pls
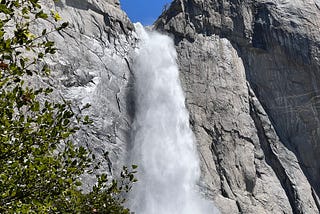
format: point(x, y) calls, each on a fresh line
point(64, 25)
point(41, 15)
point(134, 166)
point(49, 44)
point(5, 9)
point(55, 15)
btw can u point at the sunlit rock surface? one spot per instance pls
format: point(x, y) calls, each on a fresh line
point(93, 66)
point(250, 73)
point(238, 58)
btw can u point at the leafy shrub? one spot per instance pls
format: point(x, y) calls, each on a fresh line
point(39, 165)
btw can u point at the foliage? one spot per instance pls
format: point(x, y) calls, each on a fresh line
point(39, 165)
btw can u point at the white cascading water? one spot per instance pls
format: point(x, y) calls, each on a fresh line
point(164, 146)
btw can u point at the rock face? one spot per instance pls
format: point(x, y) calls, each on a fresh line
point(250, 71)
point(93, 66)
point(238, 58)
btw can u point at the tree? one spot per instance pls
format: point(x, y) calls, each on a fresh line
point(39, 164)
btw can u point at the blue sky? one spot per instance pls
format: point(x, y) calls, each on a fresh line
point(144, 11)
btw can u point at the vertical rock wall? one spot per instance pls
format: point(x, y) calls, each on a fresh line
point(93, 66)
point(237, 59)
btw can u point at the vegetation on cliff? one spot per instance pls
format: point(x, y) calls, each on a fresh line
point(40, 166)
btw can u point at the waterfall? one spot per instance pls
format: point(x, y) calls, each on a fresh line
point(163, 145)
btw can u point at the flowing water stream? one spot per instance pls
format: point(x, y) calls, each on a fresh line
point(164, 145)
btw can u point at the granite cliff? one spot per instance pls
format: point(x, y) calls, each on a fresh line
point(250, 73)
